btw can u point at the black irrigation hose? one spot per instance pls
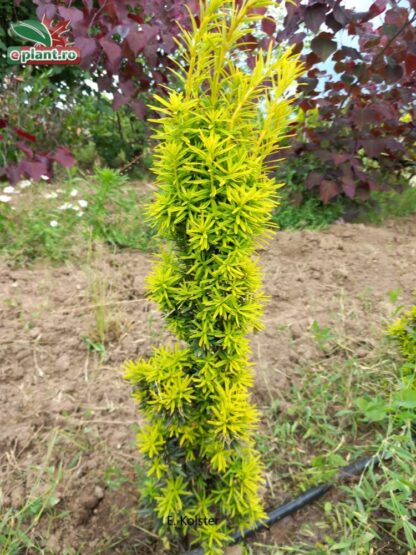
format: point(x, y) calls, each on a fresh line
point(288, 508)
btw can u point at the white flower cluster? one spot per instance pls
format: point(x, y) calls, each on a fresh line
point(77, 206)
point(9, 190)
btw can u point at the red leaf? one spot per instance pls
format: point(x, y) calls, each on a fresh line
point(339, 158)
point(341, 15)
point(24, 148)
point(393, 74)
point(57, 31)
point(384, 111)
point(127, 87)
point(377, 8)
point(248, 42)
point(110, 9)
point(333, 23)
point(139, 108)
point(362, 116)
point(328, 190)
point(346, 51)
point(150, 54)
point(372, 147)
point(3, 123)
point(87, 46)
point(258, 11)
point(48, 10)
point(268, 25)
point(410, 62)
point(64, 157)
point(71, 14)
point(135, 17)
point(13, 172)
point(313, 180)
point(323, 46)
point(297, 48)
point(314, 16)
point(348, 186)
point(33, 169)
point(311, 59)
point(119, 100)
point(112, 51)
point(24, 134)
point(307, 104)
point(137, 40)
point(251, 62)
point(89, 4)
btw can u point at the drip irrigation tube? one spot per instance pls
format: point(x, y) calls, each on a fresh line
point(290, 507)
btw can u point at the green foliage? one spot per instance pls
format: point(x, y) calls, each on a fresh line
point(404, 331)
point(112, 137)
point(18, 525)
point(214, 207)
point(116, 211)
point(83, 120)
point(51, 221)
point(322, 335)
point(383, 205)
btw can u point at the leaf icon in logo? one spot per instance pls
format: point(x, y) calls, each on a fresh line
point(32, 30)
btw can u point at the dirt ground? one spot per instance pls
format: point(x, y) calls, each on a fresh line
point(67, 420)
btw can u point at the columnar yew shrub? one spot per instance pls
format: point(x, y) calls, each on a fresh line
point(213, 207)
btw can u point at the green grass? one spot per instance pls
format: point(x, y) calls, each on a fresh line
point(18, 526)
point(311, 213)
point(388, 205)
point(56, 220)
point(116, 212)
point(336, 411)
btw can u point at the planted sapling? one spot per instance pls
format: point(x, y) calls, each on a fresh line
point(213, 208)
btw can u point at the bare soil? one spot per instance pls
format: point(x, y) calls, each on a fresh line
point(67, 420)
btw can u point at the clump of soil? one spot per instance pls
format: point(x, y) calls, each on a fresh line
point(67, 418)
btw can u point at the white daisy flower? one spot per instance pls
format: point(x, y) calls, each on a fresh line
point(83, 203)
point(53, 223)
point(25, 183)
point(5, 198)
point(44, 177)
point(9, 190)
point(66, 206)
point(74, 193)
